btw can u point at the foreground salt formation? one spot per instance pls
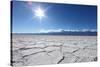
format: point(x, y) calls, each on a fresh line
point(45, 49)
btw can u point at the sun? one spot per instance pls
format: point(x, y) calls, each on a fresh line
point(39, 13)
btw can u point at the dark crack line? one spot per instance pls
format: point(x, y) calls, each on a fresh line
point(61, 60)
point(38, 52)
point(24, 48)
point(76, 50)
point(95, 59)
point(52, 51)
point(32, 54)
point(37, 47)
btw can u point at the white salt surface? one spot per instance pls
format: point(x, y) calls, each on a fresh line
point(45, 49)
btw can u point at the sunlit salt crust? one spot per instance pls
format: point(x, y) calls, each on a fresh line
point(50, 49)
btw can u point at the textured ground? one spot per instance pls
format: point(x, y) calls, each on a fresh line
point(46, 49)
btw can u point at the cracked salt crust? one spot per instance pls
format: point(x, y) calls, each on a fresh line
point(40, 50)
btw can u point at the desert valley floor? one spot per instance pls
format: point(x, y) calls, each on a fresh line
point(50, 49)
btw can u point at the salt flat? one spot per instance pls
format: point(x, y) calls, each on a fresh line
point(50, 49)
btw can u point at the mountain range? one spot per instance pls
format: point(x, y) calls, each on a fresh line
point(63, 32)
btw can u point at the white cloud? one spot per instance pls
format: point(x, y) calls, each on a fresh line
point(50, 30)
point(71, 30)
point(93, 30)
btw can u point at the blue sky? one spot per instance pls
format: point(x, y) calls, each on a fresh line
point(57, 17)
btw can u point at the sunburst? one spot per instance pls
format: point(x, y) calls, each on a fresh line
point(39, 13)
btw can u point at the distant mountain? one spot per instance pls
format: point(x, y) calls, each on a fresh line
point(63, 32)
point(80, 33)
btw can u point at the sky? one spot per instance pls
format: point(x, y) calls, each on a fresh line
point(36, 17)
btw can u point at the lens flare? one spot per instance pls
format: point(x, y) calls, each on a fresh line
point(39, 13)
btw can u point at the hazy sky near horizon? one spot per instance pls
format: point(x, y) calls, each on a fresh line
point(26, 17)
